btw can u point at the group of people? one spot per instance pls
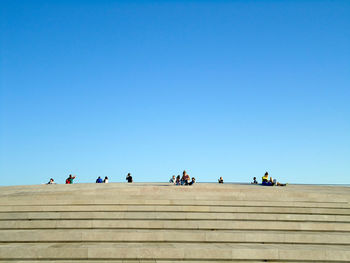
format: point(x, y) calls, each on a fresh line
point(267, 182)
point(99, 180)
point(184, 180)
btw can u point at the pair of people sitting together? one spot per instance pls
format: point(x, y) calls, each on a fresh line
point(271, 182)
point(185, 179)
point(99, 180)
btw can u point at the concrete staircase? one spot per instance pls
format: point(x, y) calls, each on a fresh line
point(159, 222)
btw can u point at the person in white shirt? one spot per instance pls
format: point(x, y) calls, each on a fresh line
point(172, 180)
point(51, 181)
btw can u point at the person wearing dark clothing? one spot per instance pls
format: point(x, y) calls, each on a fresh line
point(193, 181)
point(70, 179)
point(254, 181)
point(99, 180)
point(178, 181)
point(129, 178)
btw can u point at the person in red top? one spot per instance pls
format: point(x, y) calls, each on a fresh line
point(70, 179)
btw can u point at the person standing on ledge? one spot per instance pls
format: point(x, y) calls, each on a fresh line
point(129, 178)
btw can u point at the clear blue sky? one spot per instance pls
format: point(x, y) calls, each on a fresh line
point(219, 88)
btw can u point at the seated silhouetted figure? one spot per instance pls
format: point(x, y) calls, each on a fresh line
point(129, 178)
point(193, 181)
point(99, 180)
point(254, 181)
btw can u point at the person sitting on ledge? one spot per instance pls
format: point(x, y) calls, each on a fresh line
point(70, 179)
point(105, 180)
point(274, 182)
point(185, 178)
point(51, 181)
point(221, 180)
point(254, 181)
point(99, 180)
point(270, 182)
point(178, 181)
point(265, 179)
point(193, 181)
point(172, 180)
point(129, 178)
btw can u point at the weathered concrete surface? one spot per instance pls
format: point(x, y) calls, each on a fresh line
point(159, 222)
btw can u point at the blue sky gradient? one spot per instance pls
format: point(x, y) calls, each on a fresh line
point(219, 88)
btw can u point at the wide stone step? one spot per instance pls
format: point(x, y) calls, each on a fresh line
point(169, 251)
point(165, 200)
point(173, 216)
point(179, 236)
point(175, 224)
point(177, 208)
point(147, 200)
